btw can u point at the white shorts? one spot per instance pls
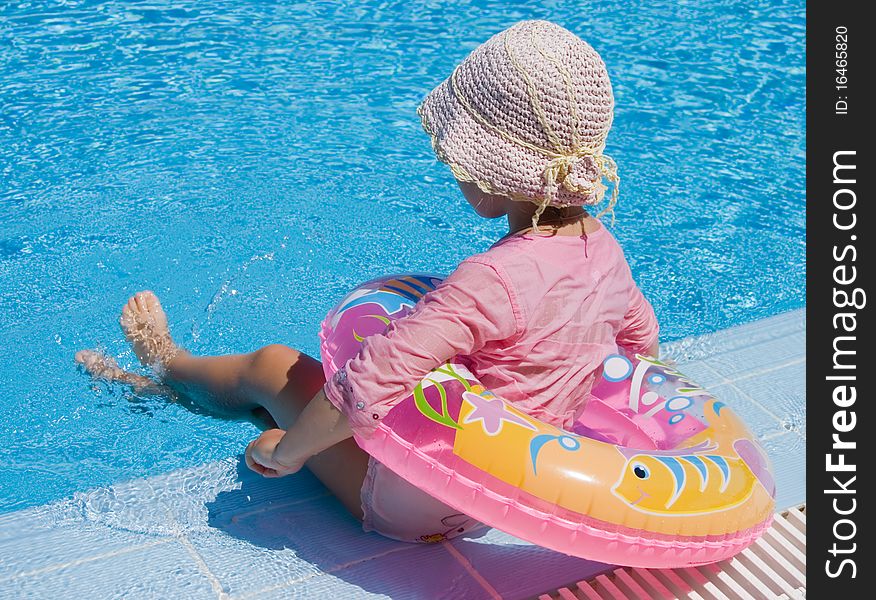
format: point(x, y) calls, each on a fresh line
point(399, 510)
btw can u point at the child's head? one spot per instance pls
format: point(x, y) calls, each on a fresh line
point(525, 116)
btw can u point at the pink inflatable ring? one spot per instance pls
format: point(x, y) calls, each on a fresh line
point(657, 473)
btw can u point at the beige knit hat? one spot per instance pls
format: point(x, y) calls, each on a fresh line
point(526, 116)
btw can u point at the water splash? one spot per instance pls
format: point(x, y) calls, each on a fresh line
point(228, 289)
point(172, 504)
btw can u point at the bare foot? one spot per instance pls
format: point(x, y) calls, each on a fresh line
point(102, 366)
point(145, 325)
point(99, 365)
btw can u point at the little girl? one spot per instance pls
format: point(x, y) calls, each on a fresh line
point(522, 123)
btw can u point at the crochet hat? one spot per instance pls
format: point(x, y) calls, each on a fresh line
point(526, 116)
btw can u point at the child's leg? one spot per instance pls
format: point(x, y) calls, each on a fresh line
point(283, 381)
point(275, 378)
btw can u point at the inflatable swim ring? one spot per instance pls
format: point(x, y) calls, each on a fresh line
point(657, 473)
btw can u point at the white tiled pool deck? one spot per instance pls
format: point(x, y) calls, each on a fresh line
point(220, 531)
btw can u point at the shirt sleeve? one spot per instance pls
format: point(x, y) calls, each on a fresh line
point(639, 329)
point(471, 307)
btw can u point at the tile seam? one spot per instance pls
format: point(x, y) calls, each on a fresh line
point(81, 561)
point(237, 516)
point(769, 412)
point(335, 569)
point(218, 589)
point(758, 373)
point(469, 568)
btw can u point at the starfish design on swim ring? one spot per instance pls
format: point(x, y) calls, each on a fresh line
point(491, 412)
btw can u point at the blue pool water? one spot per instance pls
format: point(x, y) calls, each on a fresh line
point(250, 161)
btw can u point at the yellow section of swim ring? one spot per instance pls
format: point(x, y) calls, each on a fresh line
point(595, 479)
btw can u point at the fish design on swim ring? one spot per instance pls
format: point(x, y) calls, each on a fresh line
point(684, 481)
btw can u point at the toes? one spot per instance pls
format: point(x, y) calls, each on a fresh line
point(138, 309)
point(140, 301)
point(126, 320)
point(151, 302)
point(98, 364)
point(147, 303)
point(93, 361)
point(130, 308)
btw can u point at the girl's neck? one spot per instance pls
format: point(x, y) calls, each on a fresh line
point(567, 221)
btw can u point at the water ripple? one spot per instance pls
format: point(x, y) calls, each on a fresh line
point(162, 144)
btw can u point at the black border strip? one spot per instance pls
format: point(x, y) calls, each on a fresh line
point(839, 166)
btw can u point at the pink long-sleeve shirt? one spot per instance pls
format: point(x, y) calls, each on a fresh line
point(533, 318)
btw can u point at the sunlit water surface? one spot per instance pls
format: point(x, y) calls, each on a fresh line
point(250, 161)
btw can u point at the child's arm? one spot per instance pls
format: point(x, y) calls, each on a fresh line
point(470, 308)
point(639, 330)
point(320, 425)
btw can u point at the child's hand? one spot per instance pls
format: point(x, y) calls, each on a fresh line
point(260, 455)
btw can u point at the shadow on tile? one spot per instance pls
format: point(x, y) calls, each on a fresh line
point(296, 539)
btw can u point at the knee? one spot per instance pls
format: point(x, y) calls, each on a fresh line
point(275, 366)
point(274, 358)
point(274, 355)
